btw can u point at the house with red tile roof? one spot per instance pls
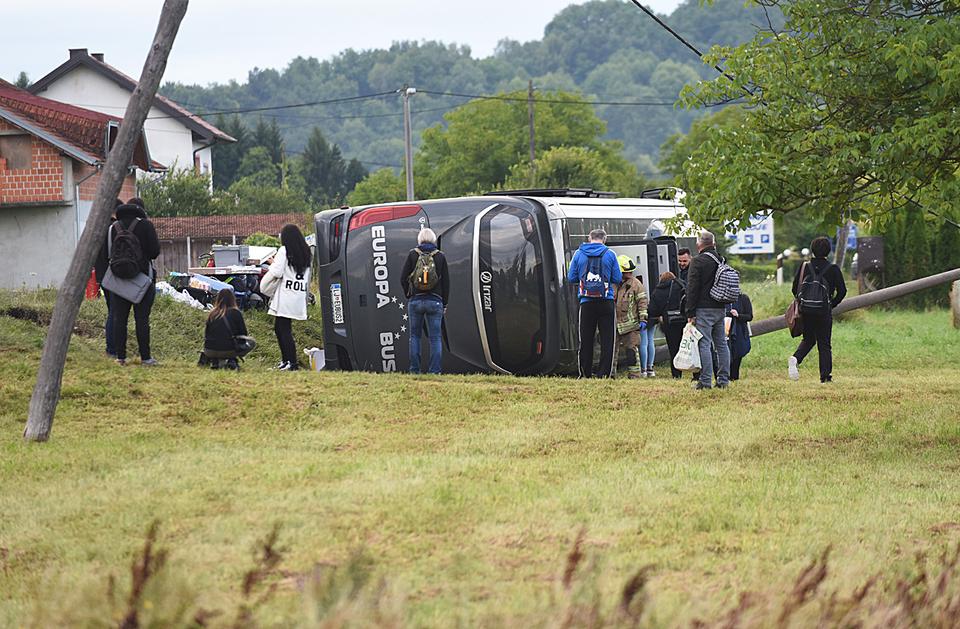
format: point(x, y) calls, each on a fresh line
point(183, 239)
point(51, 155)
point(177, 137)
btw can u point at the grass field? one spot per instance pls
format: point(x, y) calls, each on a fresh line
point(466, 494)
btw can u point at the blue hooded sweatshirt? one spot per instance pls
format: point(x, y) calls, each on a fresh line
point(610, 268)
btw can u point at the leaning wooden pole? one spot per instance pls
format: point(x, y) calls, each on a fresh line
point(46, 392)
point(867, 299)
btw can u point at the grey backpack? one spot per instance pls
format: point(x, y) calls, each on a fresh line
point(726, 283)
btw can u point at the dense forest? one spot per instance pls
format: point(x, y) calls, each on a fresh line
point(604, 50)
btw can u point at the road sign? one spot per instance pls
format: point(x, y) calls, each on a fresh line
point(757, 238)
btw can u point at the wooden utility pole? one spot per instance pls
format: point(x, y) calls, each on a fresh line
point(46, 392)
point(408, 141)
point(533, 136)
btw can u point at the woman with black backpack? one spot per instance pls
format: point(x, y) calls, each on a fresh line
point(128, 253)
point(666, 304)
point(819, 288)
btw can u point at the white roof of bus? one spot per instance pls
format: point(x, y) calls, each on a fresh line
point(565, 207)
point(613, 208)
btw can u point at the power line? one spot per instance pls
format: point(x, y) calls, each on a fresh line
point(556, 101)
point(683, 41)
point(277, 107)
point(362, 161)
point(311, 119)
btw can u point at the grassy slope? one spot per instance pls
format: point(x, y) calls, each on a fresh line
point(468, 491)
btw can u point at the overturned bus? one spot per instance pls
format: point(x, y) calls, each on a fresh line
point(510, 308)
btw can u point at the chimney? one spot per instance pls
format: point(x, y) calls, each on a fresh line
point(98, 56)
point(78, 52)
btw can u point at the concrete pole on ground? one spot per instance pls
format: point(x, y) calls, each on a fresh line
point(46, 391)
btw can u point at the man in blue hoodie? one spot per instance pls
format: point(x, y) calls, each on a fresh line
point(595, 270)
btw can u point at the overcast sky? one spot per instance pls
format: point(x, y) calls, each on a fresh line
point(221, 40)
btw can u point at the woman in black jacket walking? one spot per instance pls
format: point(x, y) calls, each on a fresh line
point(821, 290)
point(666, 304)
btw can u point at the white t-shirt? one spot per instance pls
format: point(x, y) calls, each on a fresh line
point(290, 300)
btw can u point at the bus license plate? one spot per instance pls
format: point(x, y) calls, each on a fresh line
point(336, 297)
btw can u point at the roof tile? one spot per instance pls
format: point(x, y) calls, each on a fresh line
point(239, 225)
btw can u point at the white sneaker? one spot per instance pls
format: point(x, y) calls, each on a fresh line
point(792, 372)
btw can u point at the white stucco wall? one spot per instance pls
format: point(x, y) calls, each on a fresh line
point(168, 140)
point(206, 158)
point(38, 243)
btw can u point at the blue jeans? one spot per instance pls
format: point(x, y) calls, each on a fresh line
point(431, 311)
point(710, 325)
point(647, 349)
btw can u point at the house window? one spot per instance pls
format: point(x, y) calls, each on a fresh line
point(16, 150)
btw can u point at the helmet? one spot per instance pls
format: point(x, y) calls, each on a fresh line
point(627, 265)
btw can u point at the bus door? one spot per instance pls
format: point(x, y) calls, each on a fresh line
point(514, 306)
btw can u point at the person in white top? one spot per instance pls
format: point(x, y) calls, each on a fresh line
point(287, 282)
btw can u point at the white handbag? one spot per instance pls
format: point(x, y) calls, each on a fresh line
point(269, 285)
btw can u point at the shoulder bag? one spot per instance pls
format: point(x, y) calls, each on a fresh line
point(793, 315)
point(243, 343)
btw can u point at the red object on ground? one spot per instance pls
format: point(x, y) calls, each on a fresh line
point(93, 289)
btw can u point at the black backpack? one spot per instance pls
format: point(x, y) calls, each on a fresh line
point(124, 251)
point(814, 295)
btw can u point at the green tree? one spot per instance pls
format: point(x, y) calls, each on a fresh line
point(247, 197)
point(23, 81)
point(323, 169)
point(267, 135)
point(853, 112)
point(227, 155)
point(562, 167)
point(260, 239)
point(327, 177)
point(178, 193)
point(485, 138)
point(576, 167)
point(382, 186)
point(354, 174)
point(257, 168)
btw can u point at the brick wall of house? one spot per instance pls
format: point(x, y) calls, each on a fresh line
point(88, 189)
point(42, 182)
